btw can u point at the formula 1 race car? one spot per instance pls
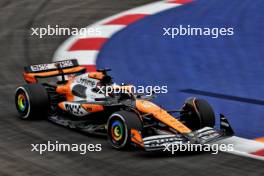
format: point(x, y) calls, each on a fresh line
point(79, 99)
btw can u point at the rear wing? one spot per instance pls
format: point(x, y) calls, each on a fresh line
point(60, 68)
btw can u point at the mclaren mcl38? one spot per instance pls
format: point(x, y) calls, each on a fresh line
point(128, 119)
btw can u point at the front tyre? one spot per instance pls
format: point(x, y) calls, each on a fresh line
point(198, 113)
point(32, 101)
point(119, 127)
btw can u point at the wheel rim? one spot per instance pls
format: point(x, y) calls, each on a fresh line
point(22, 102)
point(117, 131)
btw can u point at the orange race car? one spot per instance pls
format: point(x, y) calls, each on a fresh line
point(80, 100)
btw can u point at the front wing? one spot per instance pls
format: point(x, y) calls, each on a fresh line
point(204, 135)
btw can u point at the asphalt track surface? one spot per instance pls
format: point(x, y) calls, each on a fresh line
point(18, 48)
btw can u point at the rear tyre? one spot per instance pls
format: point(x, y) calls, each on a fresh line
point(119, 127)
point(32, 101)
point(198, 114)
